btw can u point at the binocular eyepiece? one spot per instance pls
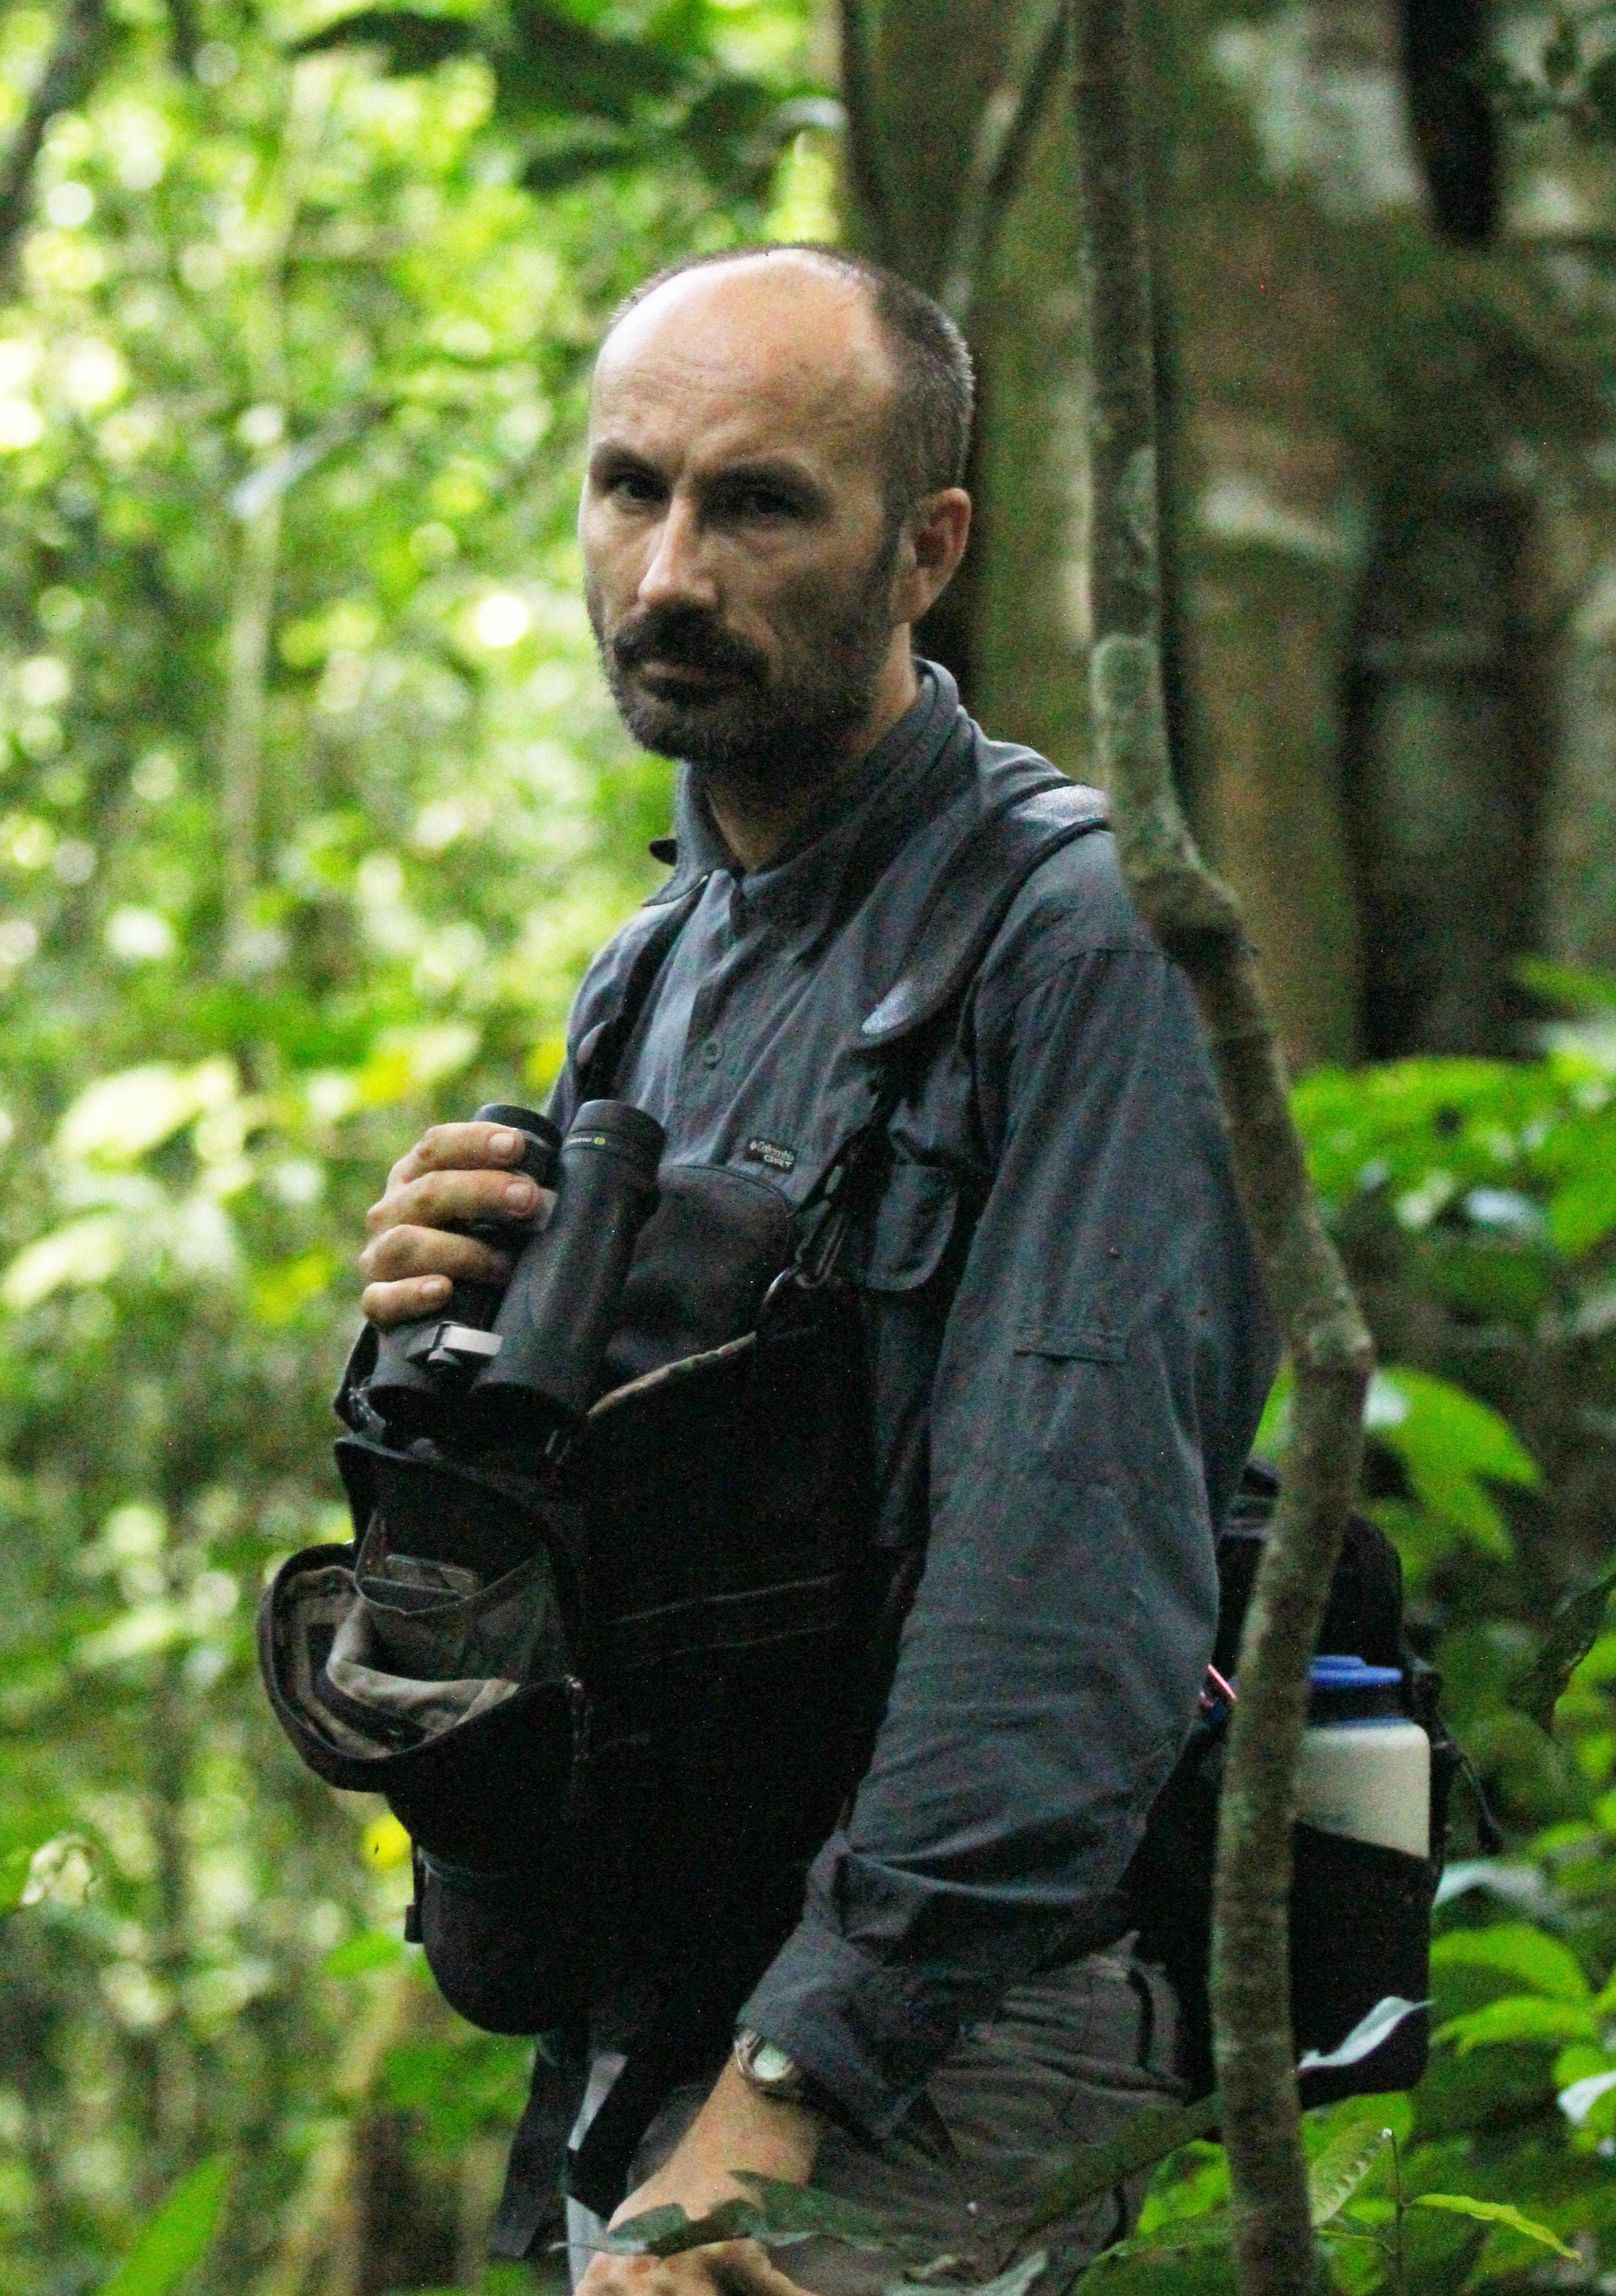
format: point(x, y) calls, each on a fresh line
point(495, 1368)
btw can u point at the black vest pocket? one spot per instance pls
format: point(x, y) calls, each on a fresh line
point(703, 1262)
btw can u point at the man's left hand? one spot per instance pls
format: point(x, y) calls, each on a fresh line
point(735, 2128)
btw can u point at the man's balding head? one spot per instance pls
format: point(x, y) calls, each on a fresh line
point(926, 431)
point(785, 352)
point(759, 527)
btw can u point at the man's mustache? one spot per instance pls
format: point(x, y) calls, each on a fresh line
point(684, 639)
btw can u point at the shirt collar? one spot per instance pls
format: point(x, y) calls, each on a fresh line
point(857, 832)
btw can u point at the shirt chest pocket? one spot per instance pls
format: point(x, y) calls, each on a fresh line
point(912, 1229)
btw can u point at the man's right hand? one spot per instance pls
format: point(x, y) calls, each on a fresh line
point(456, 1176)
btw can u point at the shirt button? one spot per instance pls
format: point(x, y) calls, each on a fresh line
point(713, 1051)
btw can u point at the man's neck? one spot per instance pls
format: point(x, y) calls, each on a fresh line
point(758, 823)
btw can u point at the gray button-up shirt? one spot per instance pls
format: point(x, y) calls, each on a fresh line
point(1068, 1352)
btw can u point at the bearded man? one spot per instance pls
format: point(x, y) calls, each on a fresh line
point(1065, 1346)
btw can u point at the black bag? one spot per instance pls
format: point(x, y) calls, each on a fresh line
point(1359, 1913)
point(686, 1593)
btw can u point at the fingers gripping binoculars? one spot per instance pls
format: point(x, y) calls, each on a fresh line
point(502, 1366)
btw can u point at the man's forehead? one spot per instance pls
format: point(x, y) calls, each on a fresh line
point(752, 356)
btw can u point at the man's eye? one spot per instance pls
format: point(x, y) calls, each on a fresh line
point(764, 501)
point(633, 487)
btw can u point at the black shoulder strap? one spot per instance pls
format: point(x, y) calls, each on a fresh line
point(599, 1055)
point(975, 890)
point(974, 893)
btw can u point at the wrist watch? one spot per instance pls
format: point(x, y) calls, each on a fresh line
point(764, 2066)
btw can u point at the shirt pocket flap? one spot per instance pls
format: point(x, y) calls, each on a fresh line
point(912, 1228)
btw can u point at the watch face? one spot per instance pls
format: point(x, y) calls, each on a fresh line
point(771, 2065)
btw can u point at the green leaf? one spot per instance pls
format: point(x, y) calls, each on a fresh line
point(370, 1949)
point(548, 64)
point(729, 129)
point(587, 147)
point(781, 2216)
point(1562, 54)
point(1573, 1629)
point(461, 2085)
point(1499, 2212)
point(1599, 93)
point(1583, 1211)
point(670, 2230)
point(640, 2235)
point(15, 1868)
point(1095, 2169)
point(1393, 1127)
point(1518, 98)
point(80, 1253)
point(1452, 1446)
point(173, 2240)
point(1274, 1429)
point(1580, 2098)
point(1178, 2237)
point(1581, 991)
point(1341, 2167)
point(554, 65)
point(1518, 1950)
point(1520, 2017)
point(62, 1869)
point(411, 41)
point(793, 2212)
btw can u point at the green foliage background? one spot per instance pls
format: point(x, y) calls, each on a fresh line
point(311, 809)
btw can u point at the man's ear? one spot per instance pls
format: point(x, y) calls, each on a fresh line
point(935, 534)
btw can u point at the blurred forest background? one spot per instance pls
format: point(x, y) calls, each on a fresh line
point(311, 809)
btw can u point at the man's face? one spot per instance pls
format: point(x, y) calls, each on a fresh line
point(738, 549)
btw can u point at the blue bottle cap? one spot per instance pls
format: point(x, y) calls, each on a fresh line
point(1344, 1673)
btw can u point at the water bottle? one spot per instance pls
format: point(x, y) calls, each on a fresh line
point(1365, 1768)
point(420, 1365)
point(560, 1306)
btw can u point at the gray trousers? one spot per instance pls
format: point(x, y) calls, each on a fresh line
point(1066, 2060)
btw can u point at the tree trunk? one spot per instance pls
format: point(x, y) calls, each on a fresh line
point(70, 70)
point(1199, 923)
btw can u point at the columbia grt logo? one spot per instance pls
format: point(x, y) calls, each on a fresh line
point(770, 1153)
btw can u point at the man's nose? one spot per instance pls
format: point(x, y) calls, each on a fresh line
point(679, 573)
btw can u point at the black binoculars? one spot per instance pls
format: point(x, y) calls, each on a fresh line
point(504, 1367)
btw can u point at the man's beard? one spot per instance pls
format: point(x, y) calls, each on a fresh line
point(753, 726)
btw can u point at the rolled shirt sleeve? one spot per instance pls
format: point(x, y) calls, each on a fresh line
point(1101, 1370)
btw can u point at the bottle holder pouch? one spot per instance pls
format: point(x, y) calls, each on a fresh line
point(1359, 1931)
point(1359, 1913)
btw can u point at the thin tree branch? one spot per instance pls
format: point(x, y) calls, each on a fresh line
point(69, 72)
point(184, 35)
point(1009, 122)
point(866, 159)
point(314, 82)
point(1198, 922)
